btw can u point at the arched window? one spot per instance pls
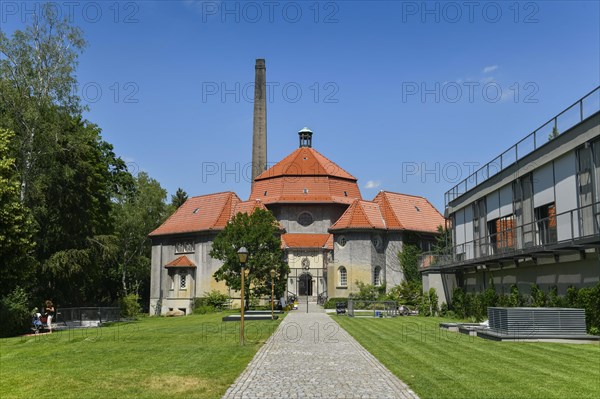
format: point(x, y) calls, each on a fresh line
point(377, 276)
point(343, 276)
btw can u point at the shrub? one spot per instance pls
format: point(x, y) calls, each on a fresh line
point(444, 309)
point(458, 302)
point(214, 300)
point(130, 306)
point(369, 292)
point(406, 293)
point(330, 304)
point(14, 313)
point(537, 297)
point(515, 299)
point(203, 309)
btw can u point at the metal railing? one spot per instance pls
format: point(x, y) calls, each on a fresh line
point(561, 229)
point(88, 316)
point(582, 109)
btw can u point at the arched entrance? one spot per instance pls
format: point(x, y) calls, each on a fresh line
point(305, 285)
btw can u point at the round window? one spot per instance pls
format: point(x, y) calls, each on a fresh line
point(377, 241)
point(305, 219)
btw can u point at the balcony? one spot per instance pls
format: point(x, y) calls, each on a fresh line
point(575, 230)
point(582, 109)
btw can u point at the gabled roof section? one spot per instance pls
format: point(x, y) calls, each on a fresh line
point(248, 207)
point(202, 213)
point(408, 212)
point(182, 261)
point(361, 215)
point(292, 240)
point(305, 161)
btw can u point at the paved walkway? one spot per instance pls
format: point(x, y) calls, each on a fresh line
point(310, 356)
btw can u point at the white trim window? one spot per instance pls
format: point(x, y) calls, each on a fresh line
point(343, 276)
point(377, 276)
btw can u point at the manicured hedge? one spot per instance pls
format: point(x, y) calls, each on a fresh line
point(330, 304)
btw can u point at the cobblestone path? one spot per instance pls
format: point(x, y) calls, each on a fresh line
point(310, 356)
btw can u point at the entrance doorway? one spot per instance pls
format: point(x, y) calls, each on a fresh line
point(305, 285)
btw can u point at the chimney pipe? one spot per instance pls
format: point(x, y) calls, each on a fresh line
point(259, 130)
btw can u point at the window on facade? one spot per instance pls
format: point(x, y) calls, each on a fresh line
point(305, 219)
point(343, 275)
point(183, 280)
point(502, 232)
point(585, 189)
point(377, 276)
point(545, 217)
point(342, 241)
point(184, 247)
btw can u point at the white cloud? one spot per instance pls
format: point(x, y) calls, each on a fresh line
point(490, 68)
point(372, 184)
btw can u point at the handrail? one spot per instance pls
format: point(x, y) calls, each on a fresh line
point(528, 236)
point(473, 180)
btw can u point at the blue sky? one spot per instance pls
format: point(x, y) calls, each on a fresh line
point(406, 96)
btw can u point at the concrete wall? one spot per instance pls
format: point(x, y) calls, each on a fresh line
point(324, 215)
point(572, 269)
point(200, 279)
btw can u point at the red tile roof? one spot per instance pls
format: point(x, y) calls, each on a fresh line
point(361, 215)
point(305, 189)
point(305, 176)
point(408, 212)
point(182, 261)
point(248, 207)
point(205, 212)
point(292, 240)
point(305, 161)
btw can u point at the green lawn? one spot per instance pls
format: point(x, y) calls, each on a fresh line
point(441, 364)
point(196, 356)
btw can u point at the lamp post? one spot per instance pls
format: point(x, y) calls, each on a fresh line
point(272, 294)
point(242, 257)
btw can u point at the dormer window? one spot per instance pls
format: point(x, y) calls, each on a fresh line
point(265, 194)
point(196, 211)
point(345, 193)
point(306, 191)
point(417, 208)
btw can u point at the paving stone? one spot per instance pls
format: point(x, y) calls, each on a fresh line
point(310, 356)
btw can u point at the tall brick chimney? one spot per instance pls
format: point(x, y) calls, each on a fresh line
point(259, 130)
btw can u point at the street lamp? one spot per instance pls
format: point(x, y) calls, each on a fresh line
point(242, 257)
point(272, 294)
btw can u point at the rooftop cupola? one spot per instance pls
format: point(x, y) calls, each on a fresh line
point(305, 137)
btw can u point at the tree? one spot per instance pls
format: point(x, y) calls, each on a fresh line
point(179, 198)
point(37, 73)
point(259, 232)
point(443, 241)
point(135, 216)
point(554, 133)
point(16, 225)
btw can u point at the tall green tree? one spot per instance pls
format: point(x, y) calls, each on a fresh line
point(37, 73)
point(179, 198)
point(135, 216)
point(259, 233)
point(16, 226)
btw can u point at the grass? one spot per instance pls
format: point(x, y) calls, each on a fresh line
point(196, 356)
point(441, 364)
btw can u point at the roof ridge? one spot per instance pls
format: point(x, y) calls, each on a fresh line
point(323, 156)
point(397, 193)
point(388, 208)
